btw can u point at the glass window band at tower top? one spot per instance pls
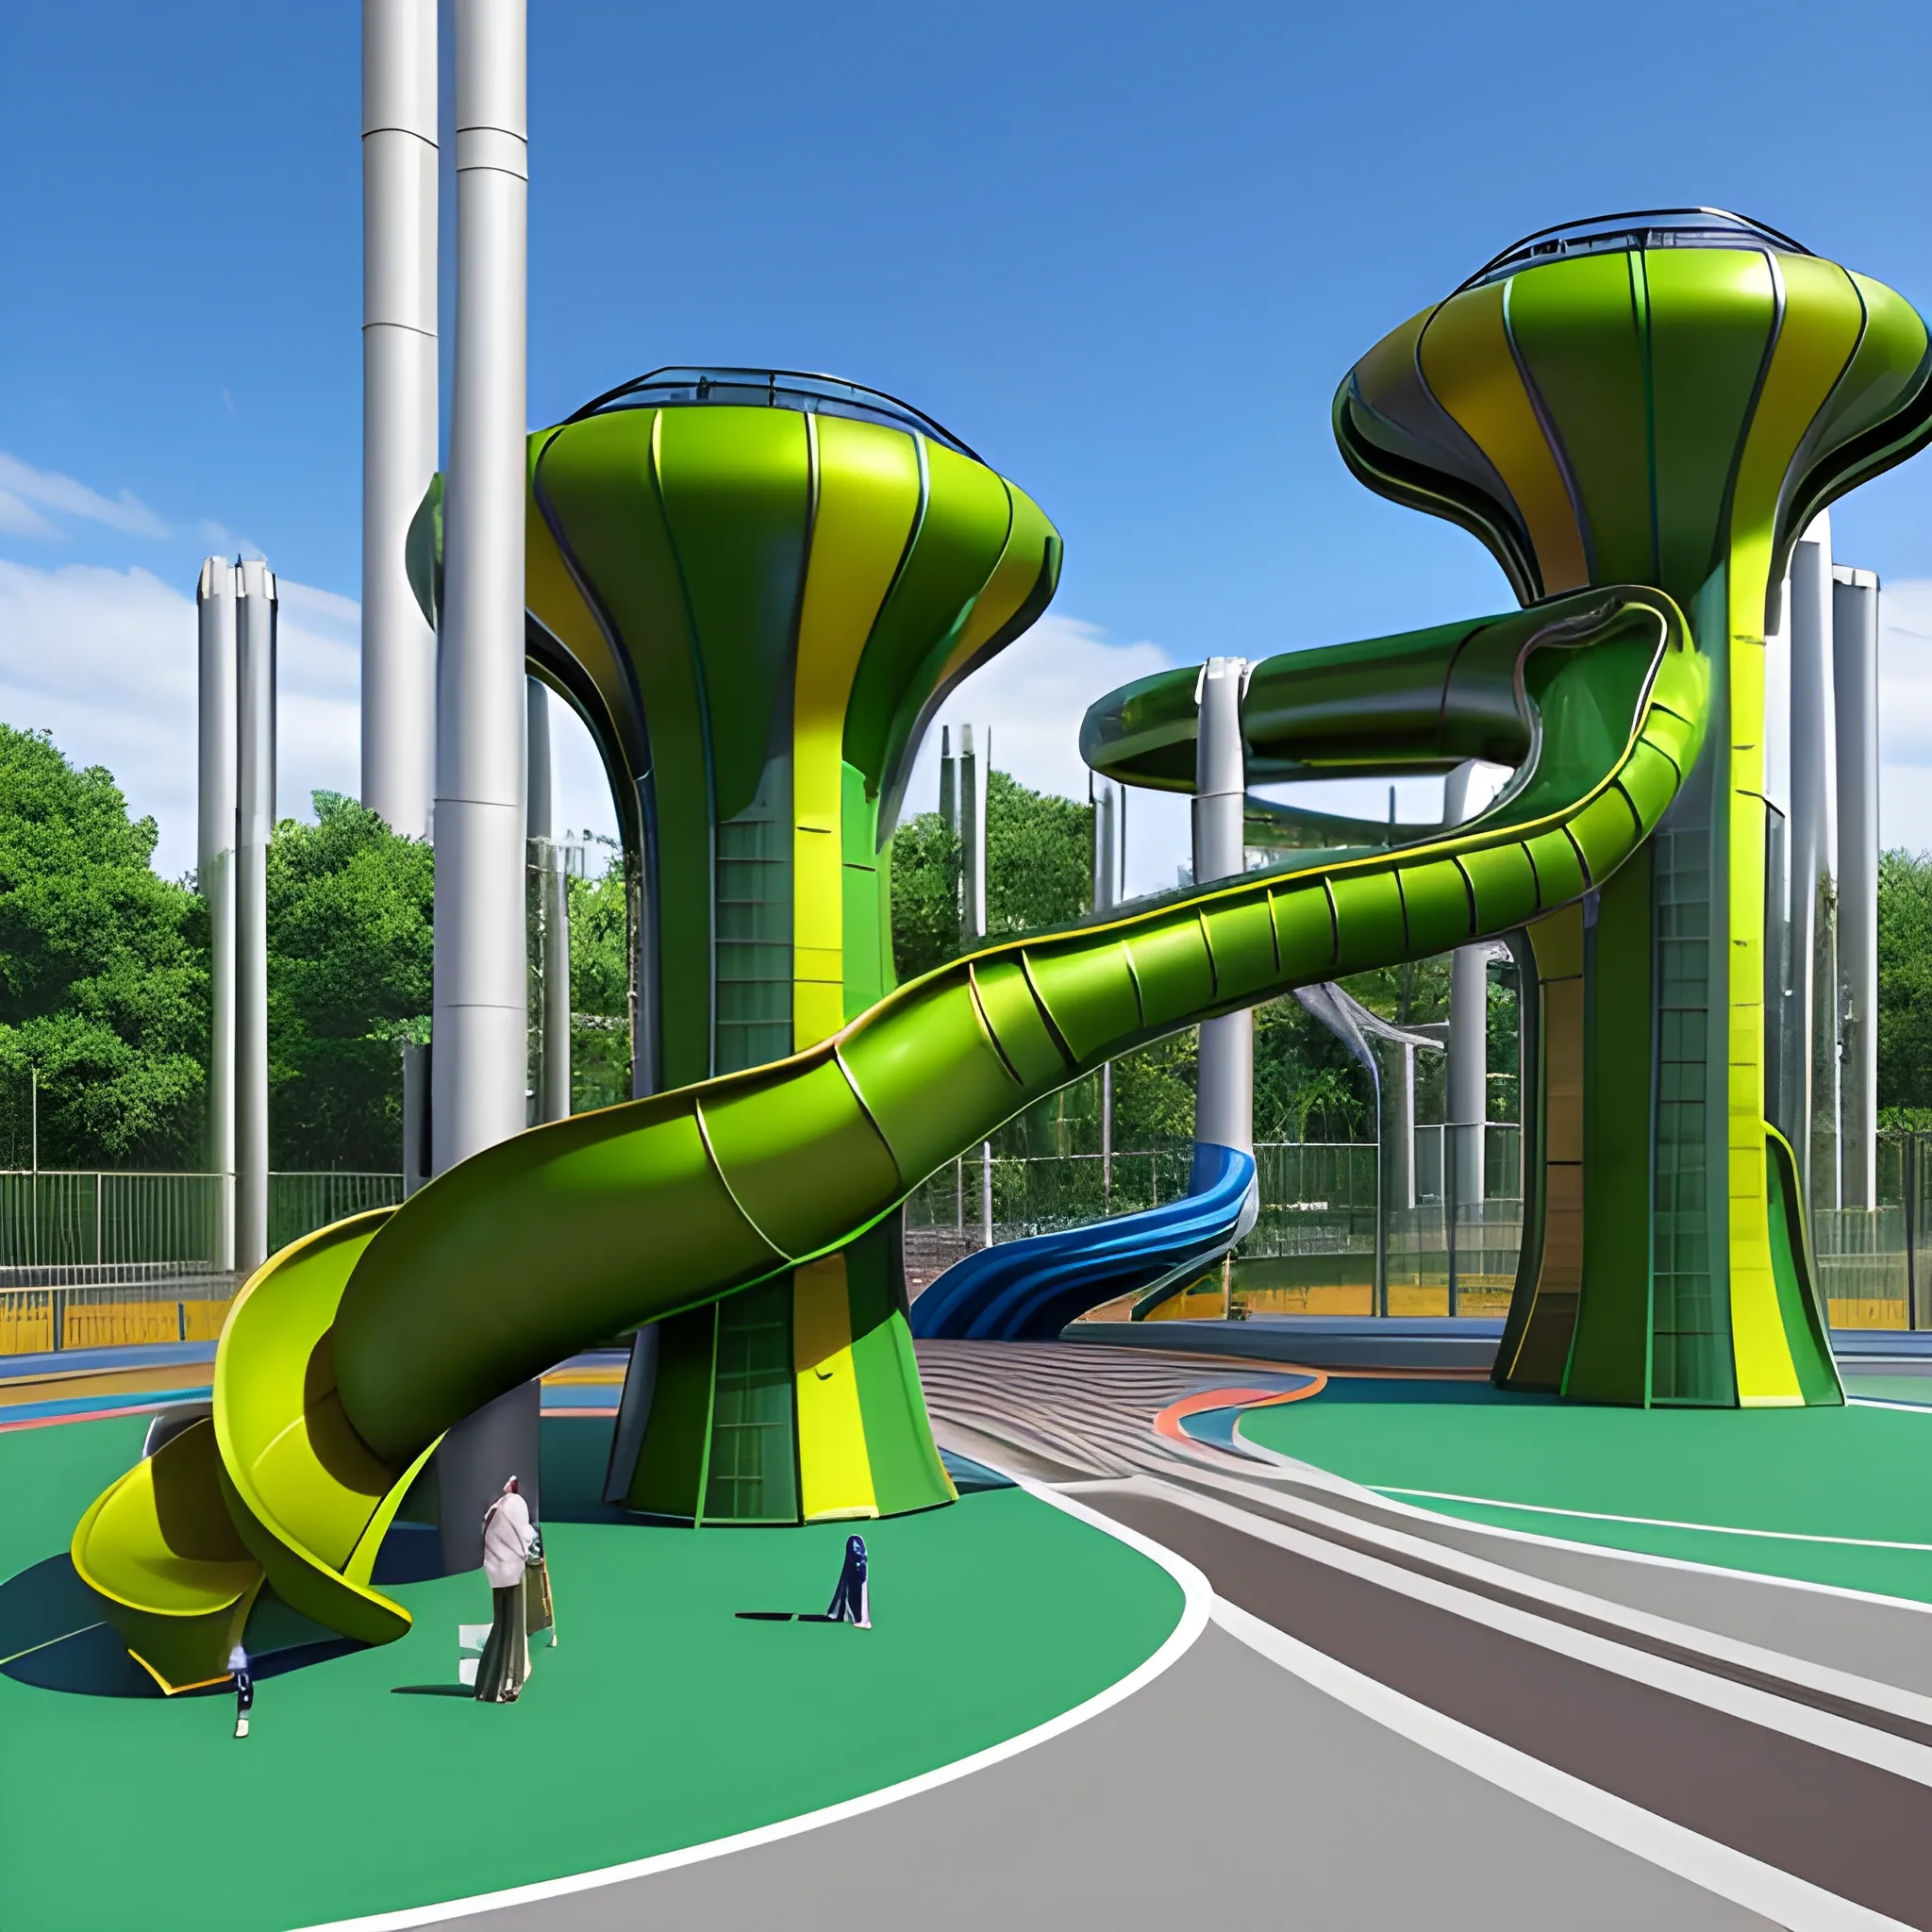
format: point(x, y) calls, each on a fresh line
point(676, 386)
point(1661, 228)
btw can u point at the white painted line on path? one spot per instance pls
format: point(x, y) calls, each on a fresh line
point(1197, 1602)
point(1717, 1868)
point(1786, 1536)
point(1825, 1729)
point(1722, 1649)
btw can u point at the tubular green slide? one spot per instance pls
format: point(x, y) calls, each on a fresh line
point(350, 1352)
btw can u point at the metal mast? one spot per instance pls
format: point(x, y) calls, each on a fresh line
point(1224, 1079)
point(399, 379)
point(481, 1003)
point(215, 875)
point(254, 710)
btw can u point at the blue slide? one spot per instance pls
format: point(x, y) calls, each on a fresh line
point(1028, 1290)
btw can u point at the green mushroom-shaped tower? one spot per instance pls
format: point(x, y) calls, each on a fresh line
point(1665, 399)
point(756, 586)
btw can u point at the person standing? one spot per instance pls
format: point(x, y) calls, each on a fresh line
point(244, 1688)
point(510, 1544)
point(852, 1601)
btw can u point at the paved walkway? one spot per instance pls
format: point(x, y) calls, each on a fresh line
point(1396, 1718)
point(1228, 1792)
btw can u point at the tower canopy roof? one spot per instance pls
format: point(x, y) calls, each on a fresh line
point(1655, 227)
point(676, 387)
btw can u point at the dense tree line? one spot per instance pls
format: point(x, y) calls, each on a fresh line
point(104, 981)
point(103, 974)
point(1904, 989)
point(104, 984)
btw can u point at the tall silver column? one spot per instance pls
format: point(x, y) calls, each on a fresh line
point(1855, 685)
point(399, 379)
point(1467, 1074)
point(551, 1097)
point(949, 781)
point(1398, 1127)
point(214, 603)
point(975, 762)
point(1107, 878)
point(254, 711)
point(973, 765)
point(1783, 1058)
point(1224, 1076)
point(481, 1003)
point(1814, 860)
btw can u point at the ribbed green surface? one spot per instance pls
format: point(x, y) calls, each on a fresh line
point(663, 1204)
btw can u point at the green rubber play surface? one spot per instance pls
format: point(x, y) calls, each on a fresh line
point(1833, 1487)
point(661, 1721)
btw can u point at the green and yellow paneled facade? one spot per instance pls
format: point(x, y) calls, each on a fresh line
point(757, 589)
point(1665, 400)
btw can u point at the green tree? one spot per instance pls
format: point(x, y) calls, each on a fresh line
point(1905, 985)
point(350, 909)
point(1039, 873)
point(1308, 1086)
point(600, 988)
point(103, 973)
point(925, 895)
point(1038, 857)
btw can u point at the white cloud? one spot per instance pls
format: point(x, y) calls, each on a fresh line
point(1905, 714)
point(26, 485)
point(1033, 696)
point(19, 519)
point(579, 792)
point(104, 660)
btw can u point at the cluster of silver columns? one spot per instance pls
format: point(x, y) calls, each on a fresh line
point(236, 617)
point(399, 399)
point(1225, 1080)
point(1822, 914)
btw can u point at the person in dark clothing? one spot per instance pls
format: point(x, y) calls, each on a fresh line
point(851, 1603)
point(244, 1688)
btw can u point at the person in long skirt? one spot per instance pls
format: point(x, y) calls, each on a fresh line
point(852, 1602)
point(510, 1543)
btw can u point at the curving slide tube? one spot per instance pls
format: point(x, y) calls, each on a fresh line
point(1029, 1290)
point(347, 1355)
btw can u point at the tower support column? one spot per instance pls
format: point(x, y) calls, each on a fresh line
point(255, 705)
point(481, 1001)
point(399, 400)
point(1855, 683)
point(1814, 861)
point(215, 876)
point(1224, 1079)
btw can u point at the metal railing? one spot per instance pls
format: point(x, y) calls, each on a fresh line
point(1314, 1245)
point(95, 1260)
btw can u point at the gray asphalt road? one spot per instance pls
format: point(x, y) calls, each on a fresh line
point(1845, 1825)
point(1227, 1791)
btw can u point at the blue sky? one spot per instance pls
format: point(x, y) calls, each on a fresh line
point(1126, 251)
